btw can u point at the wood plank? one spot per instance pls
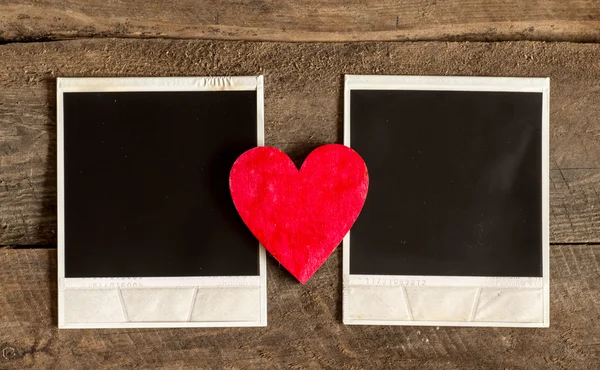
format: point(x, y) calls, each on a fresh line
point(303, 98)
point(312, 20)
point(305, 328)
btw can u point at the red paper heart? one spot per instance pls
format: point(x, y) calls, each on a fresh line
point(299, 216)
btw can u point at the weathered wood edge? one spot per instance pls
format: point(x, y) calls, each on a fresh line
point(309, 21)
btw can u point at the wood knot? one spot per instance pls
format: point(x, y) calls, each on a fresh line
point(9, 353)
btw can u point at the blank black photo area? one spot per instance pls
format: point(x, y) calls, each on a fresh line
point(146, 178)
point(455, 183)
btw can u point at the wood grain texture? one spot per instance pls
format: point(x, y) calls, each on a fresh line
point(305, 328)
point(303, 107)
point(312, 20)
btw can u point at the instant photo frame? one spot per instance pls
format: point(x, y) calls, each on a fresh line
point(455, 229)
point(147, 233)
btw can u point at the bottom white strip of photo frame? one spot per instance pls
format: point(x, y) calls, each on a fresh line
point(162, 302)
point(445, 300)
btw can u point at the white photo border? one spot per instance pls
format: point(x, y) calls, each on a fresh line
point(195, 284)
point(446, 283)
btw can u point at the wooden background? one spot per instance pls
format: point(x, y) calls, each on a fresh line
point(303, 49)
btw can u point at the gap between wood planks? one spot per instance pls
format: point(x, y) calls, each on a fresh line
point(28, 246)
point(454, 39)
point(54, 246)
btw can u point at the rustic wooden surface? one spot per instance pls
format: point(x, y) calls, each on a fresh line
point(309, 20)
point(305, 329)
point(303, 99)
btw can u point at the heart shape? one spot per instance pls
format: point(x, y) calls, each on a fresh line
point(299, 216)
